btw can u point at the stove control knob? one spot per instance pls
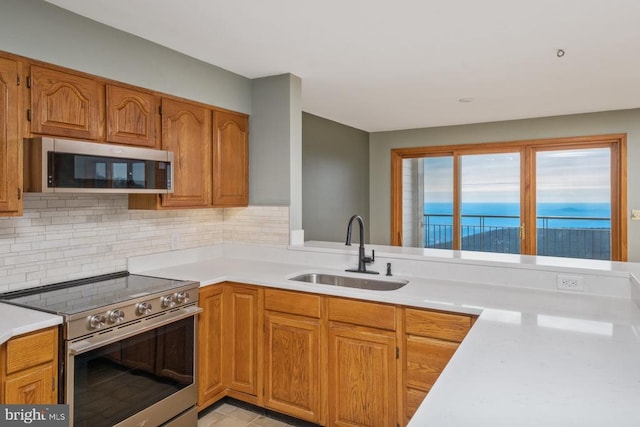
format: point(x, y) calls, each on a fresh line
point(97, 321)
point(115, 316)
point(144, 308)
point(182, 297)
point(168, 301)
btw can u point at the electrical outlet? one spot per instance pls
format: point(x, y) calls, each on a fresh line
point(570, 283)
point(175, 242)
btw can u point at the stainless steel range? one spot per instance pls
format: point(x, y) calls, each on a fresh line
point(129, 348)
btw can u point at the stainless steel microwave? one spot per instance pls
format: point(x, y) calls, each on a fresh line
point(68, 166)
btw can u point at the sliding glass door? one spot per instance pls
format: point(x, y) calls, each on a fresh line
point(490, 202)
point(562, 197)
point(573, 203)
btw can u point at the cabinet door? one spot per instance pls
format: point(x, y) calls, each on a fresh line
point(29, 368)
point(32, 387)
point(426, 359)
point(186, 130)
point(292, 365)
point(64, 104)
point(431, 339)
point(230, 160)
point(362, 376)
point(10, 144)
point(131, 117)
point(210, 346)
point(241, 344)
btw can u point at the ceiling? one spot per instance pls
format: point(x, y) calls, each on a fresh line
point(379, 65)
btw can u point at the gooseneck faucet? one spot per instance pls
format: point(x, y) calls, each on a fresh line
point(362, 259)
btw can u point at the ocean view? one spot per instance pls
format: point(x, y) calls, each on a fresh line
point(580, 230)
point(558, 215)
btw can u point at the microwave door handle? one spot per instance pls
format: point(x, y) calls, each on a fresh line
point(78, 347)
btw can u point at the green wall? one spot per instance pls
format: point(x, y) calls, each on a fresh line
point(40, 30)
point(335, 178)
point(275, 132)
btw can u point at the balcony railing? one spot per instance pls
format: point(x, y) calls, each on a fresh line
point(562, 236)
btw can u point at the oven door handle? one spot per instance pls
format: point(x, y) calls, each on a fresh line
point(117, 334)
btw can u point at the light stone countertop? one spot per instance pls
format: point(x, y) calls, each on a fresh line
point(16, 321)
point(533, 358)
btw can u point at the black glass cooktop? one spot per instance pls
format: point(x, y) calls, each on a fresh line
point(81, 295)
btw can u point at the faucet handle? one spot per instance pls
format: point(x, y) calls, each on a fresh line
point(370, 259)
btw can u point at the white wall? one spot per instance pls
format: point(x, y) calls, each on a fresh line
point(381, 143)
point(411, 200)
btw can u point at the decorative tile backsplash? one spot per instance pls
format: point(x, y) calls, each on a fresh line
point(64, 237)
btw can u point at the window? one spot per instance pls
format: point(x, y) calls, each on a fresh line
point(560, 197)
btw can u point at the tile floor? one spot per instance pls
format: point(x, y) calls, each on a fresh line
point(232, 413)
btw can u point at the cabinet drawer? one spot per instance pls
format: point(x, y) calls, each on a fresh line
point(31, 350)
point(370, 314)
point(446, 326)
point(426, 358)
point(414, 399)
point(292, 302)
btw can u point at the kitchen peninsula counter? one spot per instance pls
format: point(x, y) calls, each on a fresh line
point(534, 357)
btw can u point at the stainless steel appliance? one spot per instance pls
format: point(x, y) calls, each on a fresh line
point(64, 166)
point(129, 348)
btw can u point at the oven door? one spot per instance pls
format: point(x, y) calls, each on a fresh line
point(135, 376)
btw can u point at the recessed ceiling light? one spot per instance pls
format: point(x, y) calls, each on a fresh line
point(465, 100)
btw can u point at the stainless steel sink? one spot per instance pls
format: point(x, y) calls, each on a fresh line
point(350, 282)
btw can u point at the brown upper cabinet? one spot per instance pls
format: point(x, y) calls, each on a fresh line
point(10, 143)
point(67, 105)
point(230, 160)
point(186, 130)
point(211, 163)
point(132, 117)
point(210, 145)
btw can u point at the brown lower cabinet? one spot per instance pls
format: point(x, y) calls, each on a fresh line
point(29, 368)
point(242, 310)
point(329, 360)
point(430, 340)
point(363, 363)
point(228, 332)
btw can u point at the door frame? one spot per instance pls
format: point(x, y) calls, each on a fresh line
point(527, 149)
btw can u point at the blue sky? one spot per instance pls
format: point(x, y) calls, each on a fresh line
point(567, 176)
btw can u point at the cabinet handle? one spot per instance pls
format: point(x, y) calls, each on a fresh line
point(19, 193)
